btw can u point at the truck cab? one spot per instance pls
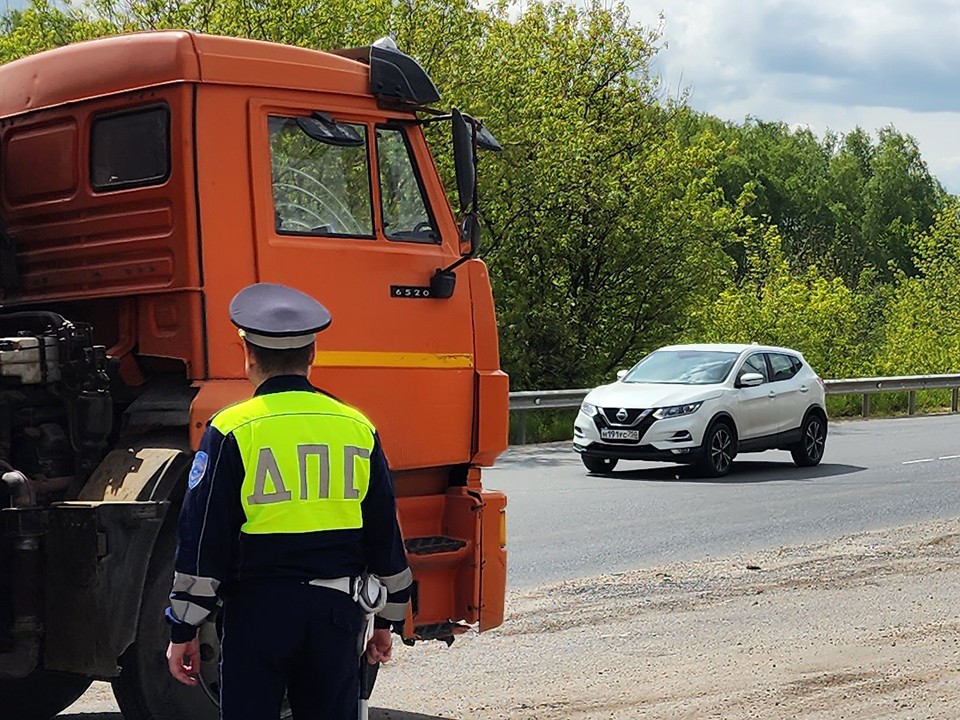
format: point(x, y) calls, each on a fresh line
point(144, 180)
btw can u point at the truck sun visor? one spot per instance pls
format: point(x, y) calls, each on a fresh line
point(395, 76)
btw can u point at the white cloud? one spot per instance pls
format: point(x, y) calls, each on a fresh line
point(826, 64)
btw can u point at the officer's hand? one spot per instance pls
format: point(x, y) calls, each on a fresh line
point(380, 647)
point(183, 659)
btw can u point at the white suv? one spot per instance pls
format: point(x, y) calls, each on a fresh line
point(703, 404)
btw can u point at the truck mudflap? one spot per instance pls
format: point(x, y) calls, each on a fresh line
point(86, 588)
point(96, 566)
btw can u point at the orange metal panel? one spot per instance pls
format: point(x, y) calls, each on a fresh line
point(493, 385)
point(493, 418)
point(95, 69)
point(28, 181)
point(137, 61)
point(424, 416)
point(448, 583)
point(227, 228)
point(77, 242)
point(170, 325)
point(255, 63)
point(213, 396)
point(493, 579)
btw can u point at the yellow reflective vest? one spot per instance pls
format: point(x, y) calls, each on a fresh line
point(306, 460)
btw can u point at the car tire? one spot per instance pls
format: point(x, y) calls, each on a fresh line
point(597, 464)
point(813, 437)
point(718, 450)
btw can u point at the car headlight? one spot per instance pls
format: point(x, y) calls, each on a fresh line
point(588, 409)
point(677, 410)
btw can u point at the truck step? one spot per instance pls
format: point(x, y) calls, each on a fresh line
point(433, 544)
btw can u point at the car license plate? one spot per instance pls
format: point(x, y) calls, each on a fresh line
point(607, 434)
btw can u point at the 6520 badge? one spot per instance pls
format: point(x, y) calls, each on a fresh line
point(410, 291)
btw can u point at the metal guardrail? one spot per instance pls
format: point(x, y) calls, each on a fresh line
point(530, 400)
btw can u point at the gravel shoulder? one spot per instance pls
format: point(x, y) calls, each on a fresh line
point(864, 627)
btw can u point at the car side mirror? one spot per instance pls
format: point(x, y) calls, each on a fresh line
point(621, 374)
point(750, 379)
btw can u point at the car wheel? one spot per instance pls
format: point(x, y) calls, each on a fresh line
point(598, 464)
point(718, 450)
point(813, 436)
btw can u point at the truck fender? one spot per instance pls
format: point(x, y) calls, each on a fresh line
point(100, 549)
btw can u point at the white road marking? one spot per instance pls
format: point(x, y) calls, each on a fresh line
point(914, 462)
point(949, 457)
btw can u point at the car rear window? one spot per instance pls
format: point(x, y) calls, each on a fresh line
point(683, 367)
point(784, 366)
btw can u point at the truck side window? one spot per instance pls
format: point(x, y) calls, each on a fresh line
point(405, 214)
point(319, 188)
point(130, 148)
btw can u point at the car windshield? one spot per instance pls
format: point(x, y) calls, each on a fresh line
point(683, 367)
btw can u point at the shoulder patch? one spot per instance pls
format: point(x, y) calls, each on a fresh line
point(198, 469)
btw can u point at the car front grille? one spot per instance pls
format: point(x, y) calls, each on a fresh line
point(632, 418)
point(642, 420)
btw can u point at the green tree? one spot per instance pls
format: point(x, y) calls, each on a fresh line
point(605, 228)
point(838, 329)
point(844, 203)
point(922, 333)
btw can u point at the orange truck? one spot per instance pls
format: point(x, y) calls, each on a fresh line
point(145, 179)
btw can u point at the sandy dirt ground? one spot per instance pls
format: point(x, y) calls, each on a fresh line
point(865, 627)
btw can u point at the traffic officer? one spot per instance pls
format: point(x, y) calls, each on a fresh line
point(289, 503)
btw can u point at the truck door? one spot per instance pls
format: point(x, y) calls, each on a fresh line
point(360, 221)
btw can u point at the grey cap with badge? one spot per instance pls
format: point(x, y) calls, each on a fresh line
point(277, 317)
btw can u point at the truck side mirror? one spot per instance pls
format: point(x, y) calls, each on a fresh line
point(464, 160)
point(470, 235)
point(485, 138)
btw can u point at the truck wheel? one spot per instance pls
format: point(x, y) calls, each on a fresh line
point(145, 689)
point(41, 695)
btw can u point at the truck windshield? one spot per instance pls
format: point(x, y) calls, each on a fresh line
point(683, 367)
point(318, 188)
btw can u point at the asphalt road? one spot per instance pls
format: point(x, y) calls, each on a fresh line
point(563, 523)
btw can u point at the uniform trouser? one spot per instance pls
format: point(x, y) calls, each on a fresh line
point(286, 636)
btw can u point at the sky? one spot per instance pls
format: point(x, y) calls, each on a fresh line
point(821, 64)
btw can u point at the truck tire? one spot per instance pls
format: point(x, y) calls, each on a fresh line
point(145, 690)
point(41, 695)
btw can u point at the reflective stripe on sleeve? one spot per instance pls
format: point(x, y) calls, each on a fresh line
point(193, 597)
point(398, 582)
point(394, 612)
point(188, 612)
point(195, 585)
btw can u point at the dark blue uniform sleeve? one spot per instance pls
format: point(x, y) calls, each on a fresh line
point(207, 533)
point(383, 544)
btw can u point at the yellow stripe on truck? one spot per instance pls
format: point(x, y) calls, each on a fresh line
point(346, 358)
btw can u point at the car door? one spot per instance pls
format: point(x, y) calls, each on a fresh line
point(793, 394)
point(757, 413)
